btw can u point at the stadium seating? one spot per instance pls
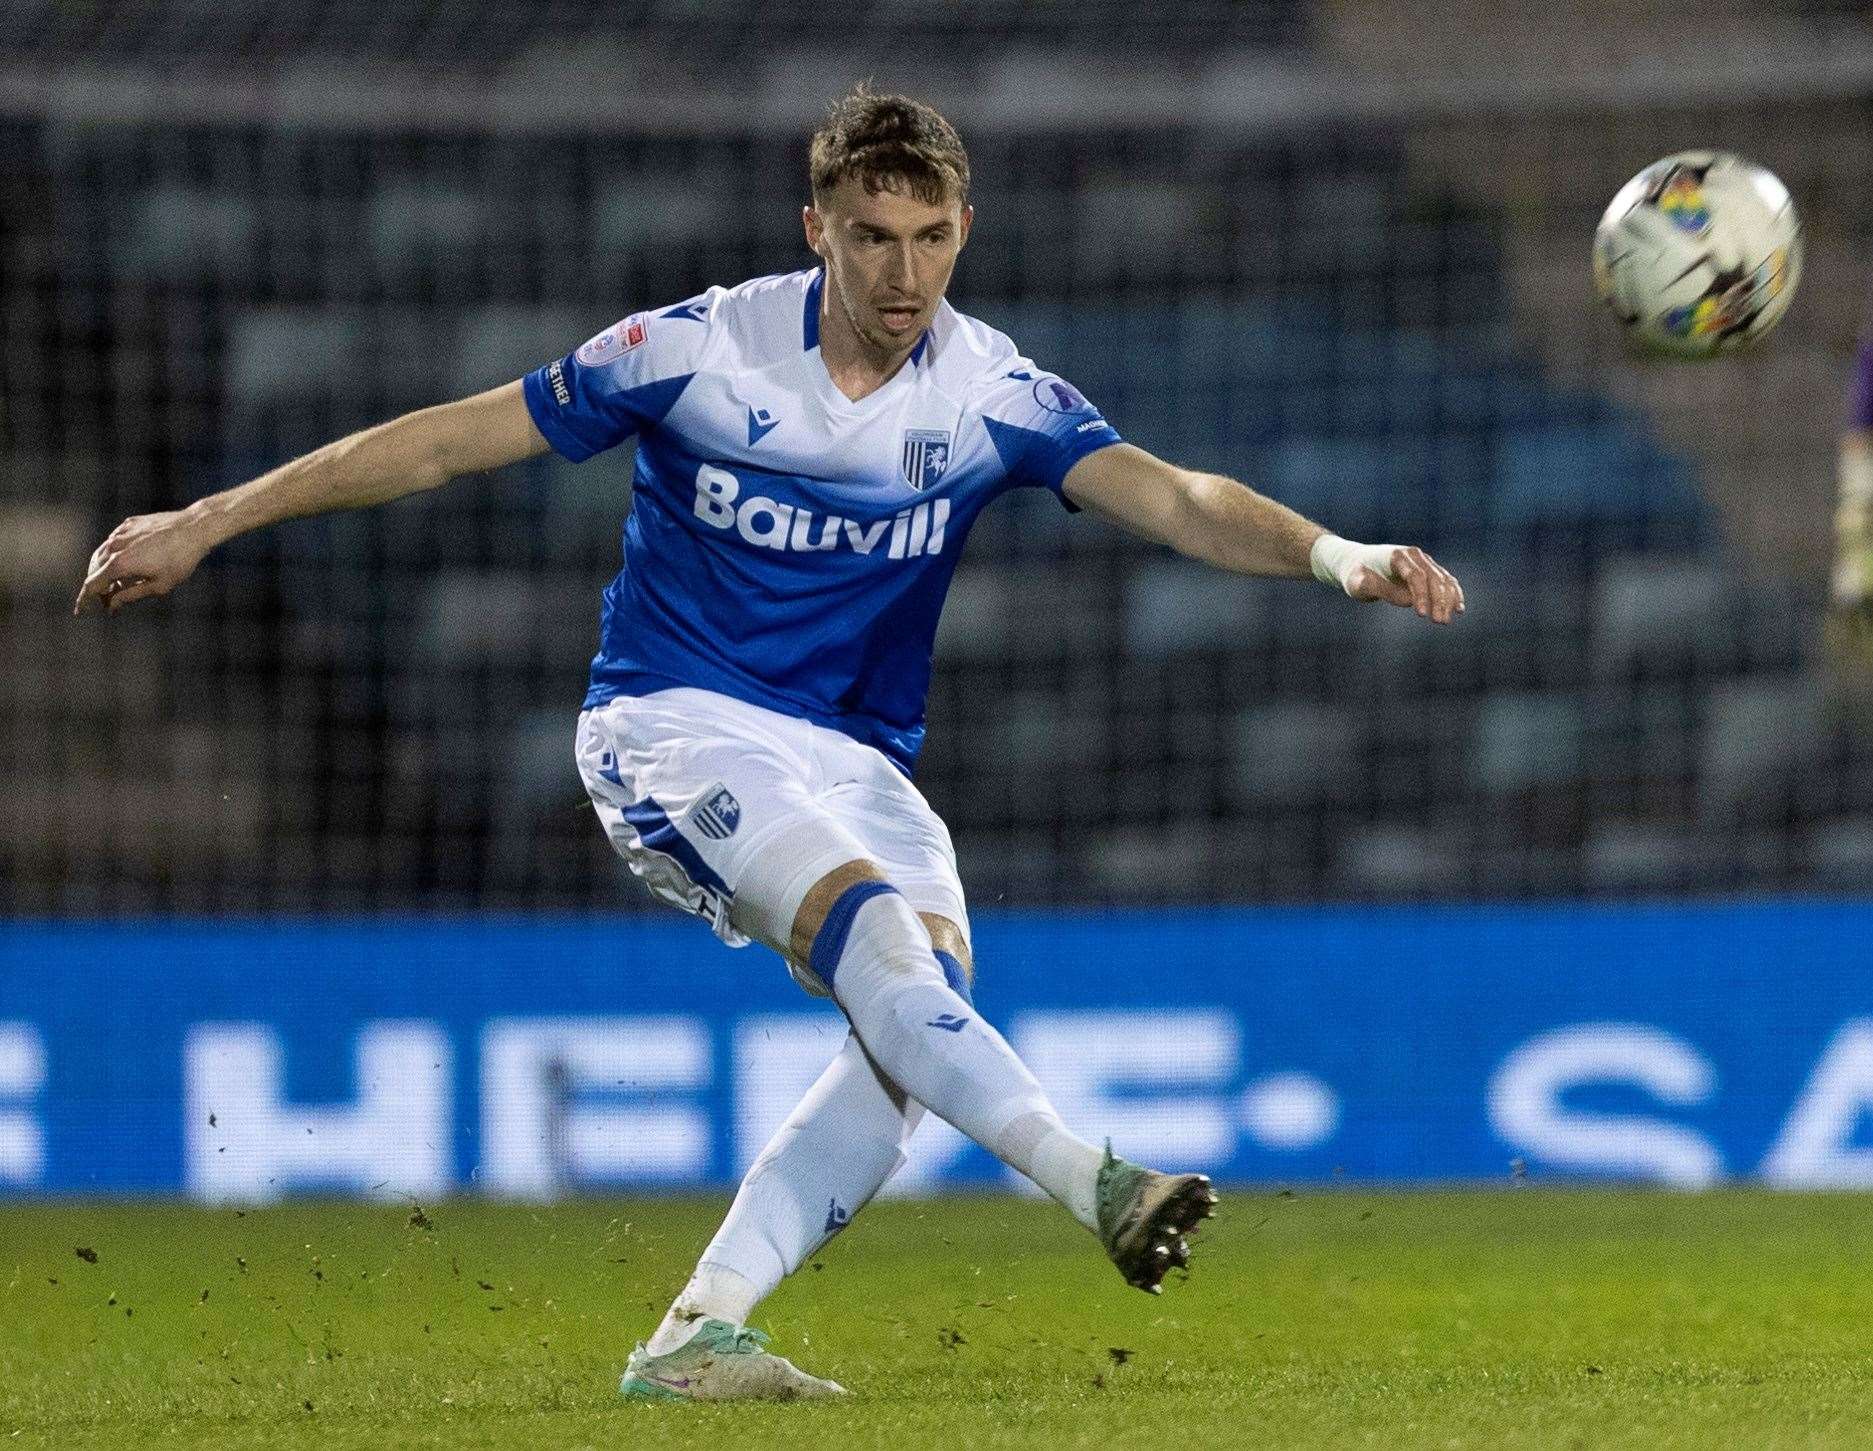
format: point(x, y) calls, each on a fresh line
point(1390, 861)
point(1842, 853)
point(1174, 605)
point(1631, 703)
point(420, 230)
point(1762, 736)
point(1523, 742)
point(191, 236)
point(1297, 753)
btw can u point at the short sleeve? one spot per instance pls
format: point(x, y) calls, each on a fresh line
point(1041, 425)
point(619, 383)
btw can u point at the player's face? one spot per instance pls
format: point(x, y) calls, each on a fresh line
point(888, 259)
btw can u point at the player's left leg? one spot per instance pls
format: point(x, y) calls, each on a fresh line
point(858, 934)
point(876, 957)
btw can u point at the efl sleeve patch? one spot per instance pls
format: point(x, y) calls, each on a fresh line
point(615, 341)
point(613, 385)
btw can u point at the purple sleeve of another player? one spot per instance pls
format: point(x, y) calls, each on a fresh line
point(1860, 395)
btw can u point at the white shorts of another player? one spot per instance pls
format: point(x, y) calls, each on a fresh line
point(733, 812)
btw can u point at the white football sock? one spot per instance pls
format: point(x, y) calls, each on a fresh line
point(836, 1150)
point(937, 1047)
point(845, 1138)
point(714, 1292)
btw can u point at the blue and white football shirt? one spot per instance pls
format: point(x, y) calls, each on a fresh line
point(787, 546)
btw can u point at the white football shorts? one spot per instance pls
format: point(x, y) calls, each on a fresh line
point(733, 812)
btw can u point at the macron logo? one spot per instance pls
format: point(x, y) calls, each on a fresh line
point(760, 424)
point(948, 1022)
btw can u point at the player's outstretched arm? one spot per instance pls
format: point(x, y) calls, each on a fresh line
point(1221, 522)
point(150, 554)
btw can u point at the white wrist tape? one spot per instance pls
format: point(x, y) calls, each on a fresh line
point(1336, 561)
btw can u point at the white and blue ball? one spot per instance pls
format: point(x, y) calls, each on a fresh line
point(1698, 255)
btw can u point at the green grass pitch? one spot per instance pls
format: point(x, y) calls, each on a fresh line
point(1514, 1318)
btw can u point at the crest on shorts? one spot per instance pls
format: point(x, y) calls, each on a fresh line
point(926, 456)
point(717, 815)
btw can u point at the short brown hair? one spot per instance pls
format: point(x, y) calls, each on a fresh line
point(889, 142)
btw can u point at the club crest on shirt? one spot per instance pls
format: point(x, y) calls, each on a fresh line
point(926, 456)
point(717, 815)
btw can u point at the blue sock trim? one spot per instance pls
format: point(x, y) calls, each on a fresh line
point(954, 975)
point(829, 946)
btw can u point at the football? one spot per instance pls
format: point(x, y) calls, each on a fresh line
point(1698, 255)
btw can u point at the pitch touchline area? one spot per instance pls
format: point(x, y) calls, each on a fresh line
point(1521, 1317)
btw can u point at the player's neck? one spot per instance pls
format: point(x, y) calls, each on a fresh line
point(857, 368)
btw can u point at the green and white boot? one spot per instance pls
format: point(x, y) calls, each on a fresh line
point(1144, 1216)
point(720, 1362)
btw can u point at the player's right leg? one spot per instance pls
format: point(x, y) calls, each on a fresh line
point(709, 803)
point(840, 1145)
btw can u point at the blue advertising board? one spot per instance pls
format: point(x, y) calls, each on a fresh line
point(526, 1058)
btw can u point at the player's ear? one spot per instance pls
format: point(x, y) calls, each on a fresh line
point(969, 216)
point(815, 229)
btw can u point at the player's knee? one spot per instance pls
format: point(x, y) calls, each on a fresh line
point(810, 919)
point(952, 952)
point(946, 936)
point(890, 937)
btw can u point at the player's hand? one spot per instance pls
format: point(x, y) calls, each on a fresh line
point(144, 556)
point(1412, 580)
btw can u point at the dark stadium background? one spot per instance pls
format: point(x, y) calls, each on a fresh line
point(353, 1094)
point(1338, 250)
point(1274, 246)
